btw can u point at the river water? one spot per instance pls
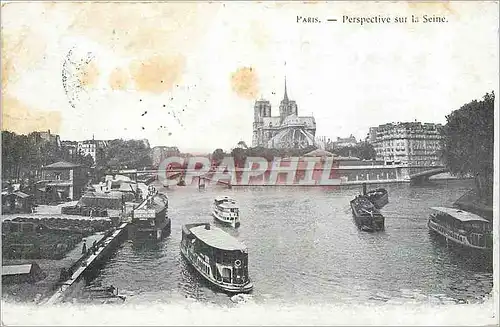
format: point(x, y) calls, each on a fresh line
point(305, 248)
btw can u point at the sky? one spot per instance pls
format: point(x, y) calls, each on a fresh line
point(188, 74)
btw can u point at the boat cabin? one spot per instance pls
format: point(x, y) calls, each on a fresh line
point(227, 208)
point(461, 226)
point(459, 220)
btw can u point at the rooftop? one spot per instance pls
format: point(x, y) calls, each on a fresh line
point(460, 214)
point(16, 269)
point(61, 165)
point(217, 238)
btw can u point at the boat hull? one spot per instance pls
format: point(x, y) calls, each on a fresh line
point(233, 289)
point(225, 222)
point(150, 234)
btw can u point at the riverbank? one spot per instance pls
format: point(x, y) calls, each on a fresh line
point(36, 292)
point(471, 201)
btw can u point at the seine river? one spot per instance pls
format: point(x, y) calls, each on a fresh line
point(304, 247)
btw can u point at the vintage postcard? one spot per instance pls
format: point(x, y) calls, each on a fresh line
point(250, 163)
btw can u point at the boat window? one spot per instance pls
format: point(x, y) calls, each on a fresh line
point(475, 227)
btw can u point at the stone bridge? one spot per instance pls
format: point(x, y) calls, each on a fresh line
point(418, 174)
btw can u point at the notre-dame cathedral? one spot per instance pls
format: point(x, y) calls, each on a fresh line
point(287, 130)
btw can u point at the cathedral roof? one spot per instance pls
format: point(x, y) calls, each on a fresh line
point(294, 120)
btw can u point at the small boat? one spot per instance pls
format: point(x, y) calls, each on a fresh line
point(225, 210)
point(110, 294)
point(379, 197)
point(461, 227)
point(366, 215)
point(217, 256)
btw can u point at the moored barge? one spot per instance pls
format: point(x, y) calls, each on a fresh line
point(150, 219)
point(366, 215)
point(462, 228)
point(220, 258)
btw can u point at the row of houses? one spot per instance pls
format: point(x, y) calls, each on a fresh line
point(407, 143)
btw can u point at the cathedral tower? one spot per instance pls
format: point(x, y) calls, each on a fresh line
point(287, 107)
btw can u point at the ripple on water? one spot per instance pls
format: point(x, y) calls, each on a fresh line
point(304, 247)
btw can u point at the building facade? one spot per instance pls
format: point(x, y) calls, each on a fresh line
point(413, 144)
point(70, 147)
point(91, 147)
point(61, 181)
point(287, 130)
point(343, 142)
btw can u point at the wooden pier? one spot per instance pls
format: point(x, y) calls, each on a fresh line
point(89, 261)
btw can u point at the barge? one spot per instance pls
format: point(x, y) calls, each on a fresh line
point(150, 219)
point(366, 215)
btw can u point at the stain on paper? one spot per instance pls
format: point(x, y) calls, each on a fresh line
point(119, 79)
point(21, 49)
point(431, 7)
point(156, 74)
point(20, 118)
point(245, 82)
point(88, 75)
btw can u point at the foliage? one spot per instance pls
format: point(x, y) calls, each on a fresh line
point(241, 153)
point(218, 155)
point(124, 154)
point(24, 155)
point(362, 150)
point(468, 143)
point(242, 144)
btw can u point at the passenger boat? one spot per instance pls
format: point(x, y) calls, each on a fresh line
point(225, 210)
point(366, 215)
point(220, 258)
point(379, 197)
point(461, 227)
point(150, 219)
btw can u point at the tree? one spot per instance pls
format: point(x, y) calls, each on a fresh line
point(239, 157)
point(366, 151)
point(468, 143)
point(242, 145)
point(218, 155)
point(362, 150)
point(125, 154)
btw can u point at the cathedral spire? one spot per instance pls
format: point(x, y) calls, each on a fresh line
point(286, 95)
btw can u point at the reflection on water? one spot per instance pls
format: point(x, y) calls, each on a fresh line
point(304, 247)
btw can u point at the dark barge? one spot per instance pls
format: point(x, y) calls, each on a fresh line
point(366, 215)
point(379, 197)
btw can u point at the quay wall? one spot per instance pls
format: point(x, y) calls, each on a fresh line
point(89, 262)
point(300, 174)
point(343, 175)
